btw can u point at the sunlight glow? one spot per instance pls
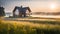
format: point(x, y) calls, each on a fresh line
point(52, 6)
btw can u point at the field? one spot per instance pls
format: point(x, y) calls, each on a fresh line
point(29, 26)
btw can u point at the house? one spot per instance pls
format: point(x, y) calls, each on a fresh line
point(21, 11)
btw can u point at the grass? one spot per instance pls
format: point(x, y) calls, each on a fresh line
point(23, 27)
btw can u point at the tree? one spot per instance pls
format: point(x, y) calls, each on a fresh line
point(2, 13)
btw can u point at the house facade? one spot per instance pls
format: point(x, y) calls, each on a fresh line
point(21, 11)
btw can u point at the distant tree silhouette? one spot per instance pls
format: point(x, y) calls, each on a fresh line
point(2, 13)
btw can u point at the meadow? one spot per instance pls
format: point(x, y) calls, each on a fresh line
point(29, 27)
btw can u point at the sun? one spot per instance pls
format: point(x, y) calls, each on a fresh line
point(52, 6)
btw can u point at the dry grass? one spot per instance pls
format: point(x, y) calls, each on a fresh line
point(21, 27)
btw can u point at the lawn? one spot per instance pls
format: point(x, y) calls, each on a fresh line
point(28, 27)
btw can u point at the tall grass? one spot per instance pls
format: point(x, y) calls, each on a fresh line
point(14, 27)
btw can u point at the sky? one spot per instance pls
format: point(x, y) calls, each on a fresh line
point(35, 5)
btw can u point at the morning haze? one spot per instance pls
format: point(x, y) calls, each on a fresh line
point(35, 5)
point(30, 17)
